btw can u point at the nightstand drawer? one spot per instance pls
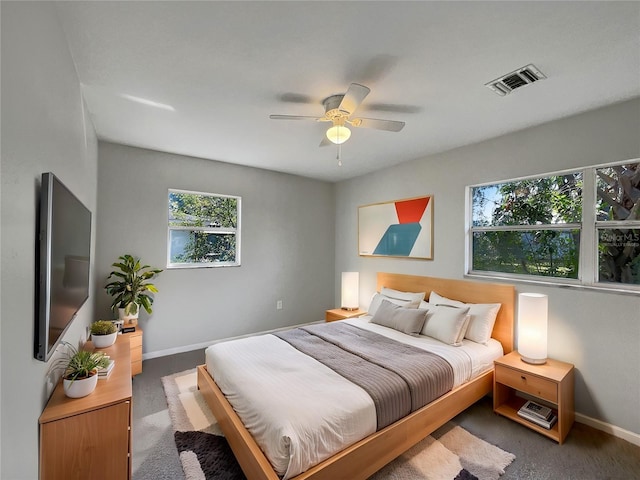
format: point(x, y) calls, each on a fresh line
point(524, 382)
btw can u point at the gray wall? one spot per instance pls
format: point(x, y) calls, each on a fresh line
point(287, 246)
point(598, 332)
point(43, 129)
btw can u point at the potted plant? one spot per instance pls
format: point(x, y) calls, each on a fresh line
point(103, 333)
point(131, 288)
point(80, 376)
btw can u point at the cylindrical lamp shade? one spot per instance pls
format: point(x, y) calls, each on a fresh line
point(350, 287)
point(532, 327)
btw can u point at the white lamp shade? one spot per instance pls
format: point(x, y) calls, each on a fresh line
point(532, 327)
point(350, 287)
point(338, 134)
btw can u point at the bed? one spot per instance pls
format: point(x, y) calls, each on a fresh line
point(364, 457)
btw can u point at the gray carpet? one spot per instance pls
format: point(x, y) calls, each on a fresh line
point(587, 454)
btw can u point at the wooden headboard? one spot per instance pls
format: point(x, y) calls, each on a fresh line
point(465, 291)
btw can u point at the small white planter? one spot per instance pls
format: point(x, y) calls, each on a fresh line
point(104, 341)
point(131, 318)
point(80, 388)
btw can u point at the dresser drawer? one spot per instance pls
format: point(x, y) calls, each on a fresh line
point(524, 382)
point(135, 340)
point(136, 367)
point(136, 354)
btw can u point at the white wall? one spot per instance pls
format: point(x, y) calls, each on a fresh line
point(598, 332)
point(287, 246)
point(43, 129)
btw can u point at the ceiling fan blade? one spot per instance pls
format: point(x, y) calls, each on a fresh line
point(352, 99)
point(294, 117)
point(388, 125)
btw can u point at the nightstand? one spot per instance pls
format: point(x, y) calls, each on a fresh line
point(551, 383)
point(340, 314)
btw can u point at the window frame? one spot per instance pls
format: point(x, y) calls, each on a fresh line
point(589, 227)
point(213, 230)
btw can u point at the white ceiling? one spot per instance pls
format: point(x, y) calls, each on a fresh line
point(225, 66)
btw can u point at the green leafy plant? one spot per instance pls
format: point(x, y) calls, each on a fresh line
point(103, 327)
point(79, 364)
point(132, 286)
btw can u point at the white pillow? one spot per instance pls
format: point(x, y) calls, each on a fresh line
point(446, 323)
point(377, 298)
point(397, 294)
point(483, 317)
point(405, 320)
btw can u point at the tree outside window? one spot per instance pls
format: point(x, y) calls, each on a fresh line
point(618, 223)
point(528, 227)
point(537, 226)
point(203, 229)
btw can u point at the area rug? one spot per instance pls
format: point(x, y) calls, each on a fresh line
point(450, 453)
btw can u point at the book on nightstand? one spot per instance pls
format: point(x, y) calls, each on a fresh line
point(538, 414)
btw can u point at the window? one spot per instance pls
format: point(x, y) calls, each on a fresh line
point(204, 230)
point(547, 227)
point(618, 223)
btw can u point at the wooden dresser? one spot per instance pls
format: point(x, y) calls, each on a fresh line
point(90, 437)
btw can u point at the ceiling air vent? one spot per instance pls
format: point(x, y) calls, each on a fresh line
point(516, 79)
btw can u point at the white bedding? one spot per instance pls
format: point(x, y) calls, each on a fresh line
point(468, 361)
point(301, 412)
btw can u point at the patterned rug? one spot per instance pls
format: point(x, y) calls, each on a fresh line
point(451, 453)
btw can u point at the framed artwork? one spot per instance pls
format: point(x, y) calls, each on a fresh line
point(401, 228)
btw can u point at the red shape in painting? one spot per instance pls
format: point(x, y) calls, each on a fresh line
point(411, 211)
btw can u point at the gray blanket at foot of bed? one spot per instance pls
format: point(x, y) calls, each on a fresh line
point(399, 378)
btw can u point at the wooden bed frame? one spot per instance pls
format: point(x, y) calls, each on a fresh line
point(364, 458)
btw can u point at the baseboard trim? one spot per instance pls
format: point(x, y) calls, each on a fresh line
point(618, 432)
point(198, 346)
point(627, 435)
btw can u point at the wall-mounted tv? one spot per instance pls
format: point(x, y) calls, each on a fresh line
point(64, 259)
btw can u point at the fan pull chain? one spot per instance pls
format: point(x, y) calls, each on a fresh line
point(338, 156)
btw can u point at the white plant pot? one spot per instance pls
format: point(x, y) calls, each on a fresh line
point(104, 341)
point(80, 388)
point(131, 318)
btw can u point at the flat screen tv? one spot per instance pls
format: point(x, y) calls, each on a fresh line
point(64, 252)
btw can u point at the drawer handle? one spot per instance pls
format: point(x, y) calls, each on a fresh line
point(523, 378)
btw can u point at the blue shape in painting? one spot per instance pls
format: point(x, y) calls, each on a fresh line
point(398, 240)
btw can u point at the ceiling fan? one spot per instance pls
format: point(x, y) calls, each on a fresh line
point(338, 110)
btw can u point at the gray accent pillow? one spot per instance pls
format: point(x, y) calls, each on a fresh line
point(377, 299)
point(405, 320)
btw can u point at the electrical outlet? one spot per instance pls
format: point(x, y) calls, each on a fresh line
point(279, 305)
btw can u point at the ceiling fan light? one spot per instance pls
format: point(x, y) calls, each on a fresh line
point(338, 134)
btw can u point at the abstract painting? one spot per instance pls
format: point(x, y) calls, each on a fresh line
point(402, 228)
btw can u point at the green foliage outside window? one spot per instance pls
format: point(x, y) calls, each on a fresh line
point(517, 226)
point(617, 209)
point(535, 226)
point(203, 229)
point(547, 253)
